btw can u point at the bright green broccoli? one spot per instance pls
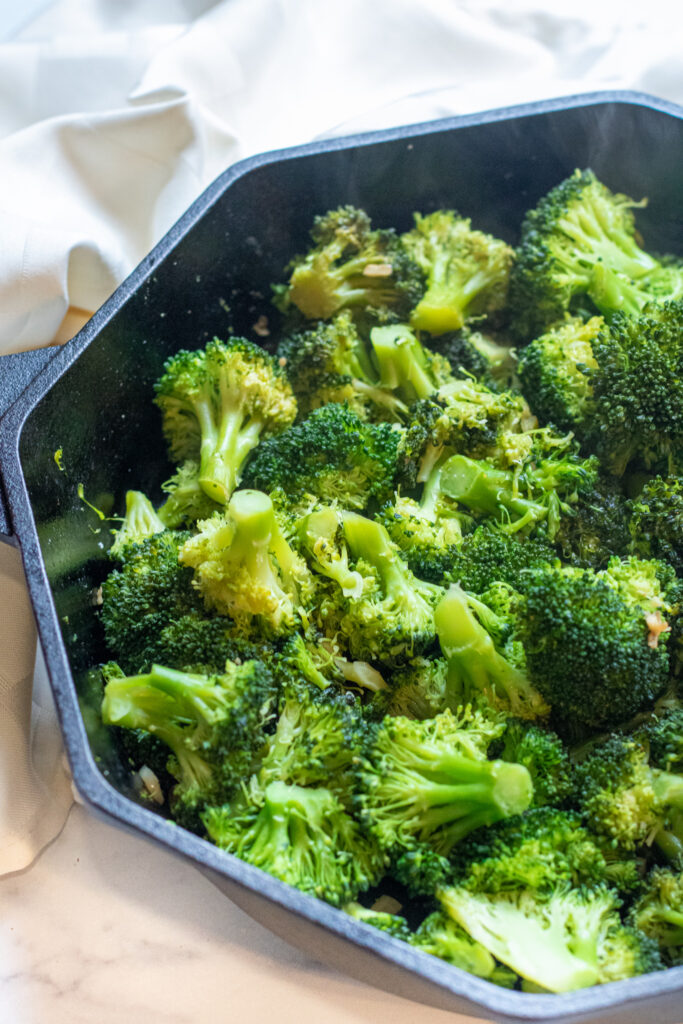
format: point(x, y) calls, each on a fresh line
point(392, 924)
point(440, 936)
point(580, 243)
point(656, 523)
point(301, 835)
point(333, 455)
point(658, 912)
point(489, 555)
point(596, 526)
point(567, 940)
point(186, 502)
point(217, 404)
point(467, 271)
point(543, 754)
point(351, 266)
point(430, 781)
point(140, 522)
point(405, 366)
point(244, 567)
point(213, 725)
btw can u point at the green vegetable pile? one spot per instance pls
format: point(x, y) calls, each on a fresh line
point(405, 630)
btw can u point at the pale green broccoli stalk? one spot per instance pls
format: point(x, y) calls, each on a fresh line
point(475, 667)
point(392, 924)
point(140, 521)
point(217, 403)
point(467, 271)
point(244, 567)
point(405, 365)
point(431, 781)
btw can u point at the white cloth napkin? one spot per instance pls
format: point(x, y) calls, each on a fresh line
point(114, 115)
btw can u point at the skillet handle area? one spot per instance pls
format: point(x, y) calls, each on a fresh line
point(17, 370)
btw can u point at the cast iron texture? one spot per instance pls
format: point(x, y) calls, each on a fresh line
point(214, 268)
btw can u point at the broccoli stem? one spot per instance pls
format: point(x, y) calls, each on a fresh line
point(483, 488)
point(401, 361)
point(256, 535)
point(369, 540)
point(224, 448)
point(474, 665)
point(445, 304)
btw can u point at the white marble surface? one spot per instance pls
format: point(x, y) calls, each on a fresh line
point(108, 928)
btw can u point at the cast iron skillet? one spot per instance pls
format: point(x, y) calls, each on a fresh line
point(91, 399)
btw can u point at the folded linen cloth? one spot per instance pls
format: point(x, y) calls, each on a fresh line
point(115, 115)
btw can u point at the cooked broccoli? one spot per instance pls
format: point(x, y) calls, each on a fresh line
point(656, 523)
point(489, 555)
point(329, 362)
point(580, 241)
point(392, 619)
point(567, 940)
point(471, 353)
point(467, 271)
point(213, 725)
point(466, 628)
point(405, 366)
point(140, 521)
point(418, 689)
point(622, 796)
point(351, 266)
point(658, 912)
point(596, 526)
point(244, 567)
point(441, 936)
point(217, 403)
point(187, 501)
point(427, 532)
point(202, 644)
point(431, 782)
point(301, 835)
point(595, 642)
point(543, 754)
point(148, 593)
point(333, 455)
point(392, 924)
point(555, 371)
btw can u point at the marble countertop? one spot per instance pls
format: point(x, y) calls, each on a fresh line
point(110, 928)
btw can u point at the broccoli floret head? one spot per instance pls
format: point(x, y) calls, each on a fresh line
point(658, 912)
point(428, 534)
point(301, 835)
point(147, 593)
point(440, 936)
point(333, 455)
point(592, 640)
point(484, 356)
point(217, 403)
point(555, 373)
point(578, 242)
point(244, 567)
point(430, 781)
point(596, 526)
point(351, 266)
point(543, 753)
point(213, 725)
point(656, 523)
point(489, 555)
point(467, 271)
point(187, 501)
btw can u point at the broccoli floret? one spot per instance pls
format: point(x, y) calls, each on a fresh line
point(351, 266)
point(637, 403)
point(595, 527)
point(622, 796)
point(567, 940)
point(333, 455)
point(656, 523)
point(419, 690)
point(329, 362)
point(579, 241)
point(488, 555)
point(467, 271)
point(536, 495)
point(307, 659)
point(244, 567)
point(466, 628)
point(392, 924)
point(658, 912)
point(392, 619)
point(149, 592)
point(420, 869)
point(543, 753)
point(555, 371)
point(301, 835)
point(537, 851)
point(405, 366)
point(213, 725)
point(427, 532)
point(186, 501)
point(595, 642)
point(665, 739)
point(217, 403)
point(202, 644)
point(140, 522)
point(440, 936)
point(430, 781)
